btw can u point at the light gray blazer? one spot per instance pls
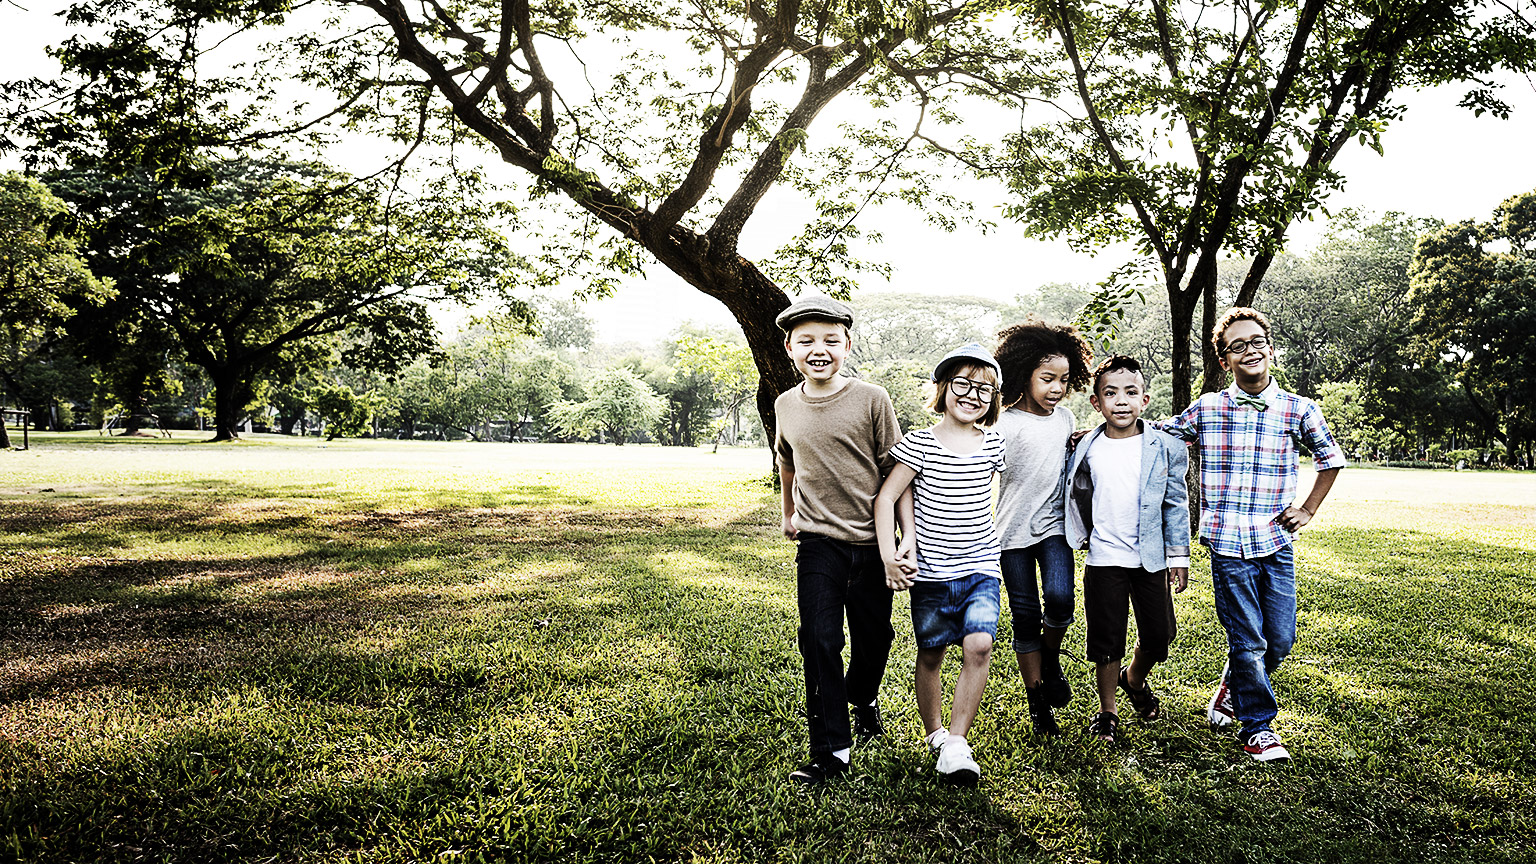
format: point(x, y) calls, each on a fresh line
point(1164, 512)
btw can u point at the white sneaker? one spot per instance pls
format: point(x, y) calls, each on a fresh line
point(955, 762)
point(936, 740)
point(1265, 746)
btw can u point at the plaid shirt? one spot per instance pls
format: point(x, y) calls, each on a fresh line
point(1248, 464)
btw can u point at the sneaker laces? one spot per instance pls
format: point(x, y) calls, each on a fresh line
point(1263, 738)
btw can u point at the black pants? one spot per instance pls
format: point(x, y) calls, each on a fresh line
point(1106, 593)
point(834, 577)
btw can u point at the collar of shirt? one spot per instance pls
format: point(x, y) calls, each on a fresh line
point(1267, 394)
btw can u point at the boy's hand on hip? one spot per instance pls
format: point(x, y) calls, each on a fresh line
point(1293, 518)
point(1178, 577)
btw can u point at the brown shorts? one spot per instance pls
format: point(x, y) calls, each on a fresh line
point(1107, 592)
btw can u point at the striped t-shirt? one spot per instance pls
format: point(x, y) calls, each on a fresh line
point(952, 503)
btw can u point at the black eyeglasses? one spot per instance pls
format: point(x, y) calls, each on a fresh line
point(962, 386)
point(1242, 346)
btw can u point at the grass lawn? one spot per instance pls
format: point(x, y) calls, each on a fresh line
point(286, 650)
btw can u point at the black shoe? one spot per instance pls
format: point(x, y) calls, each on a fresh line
point(1040, 711)
point(866, 722)
point(1057, 690)
point(820, 770)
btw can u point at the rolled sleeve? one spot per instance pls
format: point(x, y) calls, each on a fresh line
point(1326, 452)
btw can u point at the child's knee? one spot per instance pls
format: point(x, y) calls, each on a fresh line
point(930, 659)
point(978, 648)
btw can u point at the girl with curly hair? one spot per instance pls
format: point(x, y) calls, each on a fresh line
point(1042, 364)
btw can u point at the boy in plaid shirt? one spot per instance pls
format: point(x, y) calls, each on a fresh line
point(1248, 436)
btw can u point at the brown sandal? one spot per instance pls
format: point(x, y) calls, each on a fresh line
point(1143, 700)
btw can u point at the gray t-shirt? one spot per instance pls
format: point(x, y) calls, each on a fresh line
point(1030, 503)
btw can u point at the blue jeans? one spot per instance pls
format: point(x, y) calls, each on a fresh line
point(834, 577)
point(1054, 558)
point(1256, 603)
point(944, 613)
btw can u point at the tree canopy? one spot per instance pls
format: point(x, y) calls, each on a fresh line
point(1198, 131)
point(43, 280)
point(267, 262)
point(659, 153)
point(1474, 295)
point(618, 403)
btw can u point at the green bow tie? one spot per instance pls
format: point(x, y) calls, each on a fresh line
point(1248, 400)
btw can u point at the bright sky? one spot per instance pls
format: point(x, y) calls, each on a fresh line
point(1440, 161)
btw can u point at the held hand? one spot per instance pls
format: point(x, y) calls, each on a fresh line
point(789, 527)
point(1293, 518)
point(896, 576)
point(906, 557)
point(1178, 577)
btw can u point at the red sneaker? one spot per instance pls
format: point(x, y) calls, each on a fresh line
point(1265, 746)
point(1220, 711)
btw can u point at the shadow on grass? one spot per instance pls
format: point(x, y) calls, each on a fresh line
point(548, 683)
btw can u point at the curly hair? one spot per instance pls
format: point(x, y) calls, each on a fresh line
point(1234, 315)
point(1021, 348)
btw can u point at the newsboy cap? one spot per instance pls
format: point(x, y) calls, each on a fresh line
point(814, 307)
point(972, 352)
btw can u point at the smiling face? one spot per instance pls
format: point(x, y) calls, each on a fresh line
point(1120, 395)
point(818, 349)
point(971, 406)
point(1047, 385)
point(1250, 368)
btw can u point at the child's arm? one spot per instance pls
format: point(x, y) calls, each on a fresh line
point(1176, 519)
point(1186, 426)
point(896, 485)
point(906, 519)
point(787, 490)
point(1294, 518)
point(1327, 456)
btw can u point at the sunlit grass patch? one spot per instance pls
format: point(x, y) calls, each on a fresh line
point(380, 651)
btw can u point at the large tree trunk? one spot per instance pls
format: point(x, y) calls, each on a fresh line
point(1215, 377)
point(755, 303)
point(1181, 309)
point(135, 409)
point(226, 404)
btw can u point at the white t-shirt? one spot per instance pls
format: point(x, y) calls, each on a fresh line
point(1028, 506)
point(1115, 465)
point(952, 505)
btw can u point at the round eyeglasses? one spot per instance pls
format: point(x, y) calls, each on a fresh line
point(962, 386)
point(1242, 346)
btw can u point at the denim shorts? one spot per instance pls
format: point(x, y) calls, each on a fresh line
point(944, 613)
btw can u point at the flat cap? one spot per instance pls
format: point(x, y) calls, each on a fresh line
point(815, 307)
point(971, 352)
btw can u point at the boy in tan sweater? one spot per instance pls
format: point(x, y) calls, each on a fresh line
point(833, 448)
